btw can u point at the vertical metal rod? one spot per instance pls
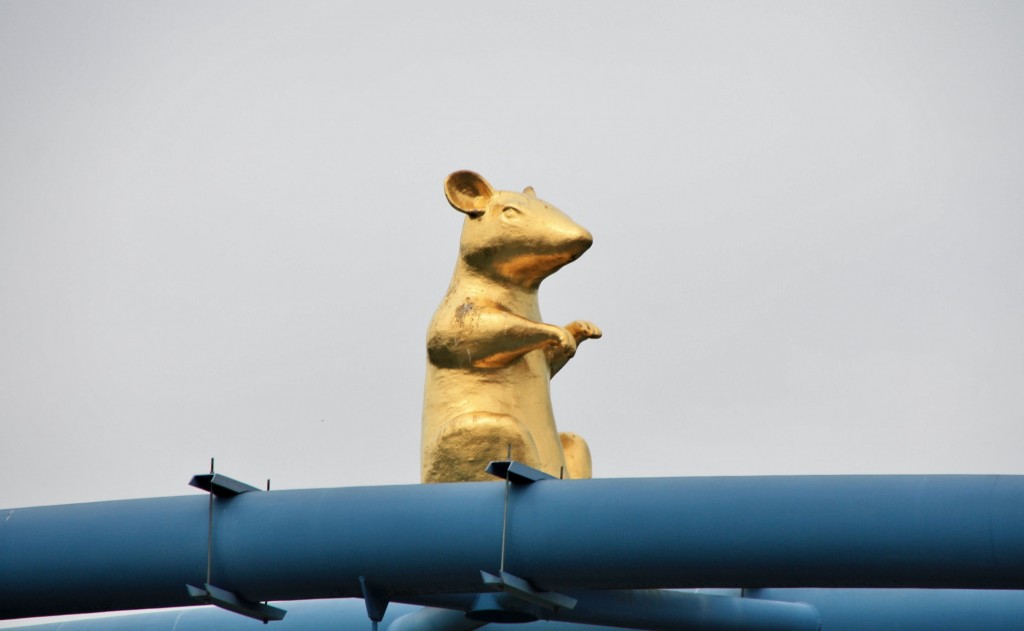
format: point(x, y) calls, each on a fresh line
point(267, 602)
point(504, 519)
point(209, 529)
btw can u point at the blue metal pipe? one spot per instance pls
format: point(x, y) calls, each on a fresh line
point(658, 610)
point(841, 610)
point(433, 619)
point(309, 615)
point(908, 609)
point(850, 531)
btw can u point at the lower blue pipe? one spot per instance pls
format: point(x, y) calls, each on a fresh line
point(840, 609)
point(908, 609)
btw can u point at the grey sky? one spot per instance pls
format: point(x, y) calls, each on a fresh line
point(222, 233)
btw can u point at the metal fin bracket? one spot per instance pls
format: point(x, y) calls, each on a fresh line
point(222, 486)
point(516, 472)
point(519, 474)
point(233, 602)
point(376, 602)
point(521, 589)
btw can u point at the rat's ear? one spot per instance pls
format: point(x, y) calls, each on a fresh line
point(468, 192)
point(529, 192)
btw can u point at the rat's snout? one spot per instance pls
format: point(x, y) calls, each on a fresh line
point(581, 243)
point(586, 238)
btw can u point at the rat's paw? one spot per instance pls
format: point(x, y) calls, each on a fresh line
point(583, 330)
point(566, 341)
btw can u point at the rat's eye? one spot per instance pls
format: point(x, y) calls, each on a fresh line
point(510, 213)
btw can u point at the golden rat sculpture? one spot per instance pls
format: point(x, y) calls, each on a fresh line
point(490, 357)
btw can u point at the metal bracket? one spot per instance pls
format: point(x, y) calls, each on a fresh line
point(516, 472)
point(376, 602)
point(521, 589)
point(220, 485)
point(231, 601)
point(512, 472)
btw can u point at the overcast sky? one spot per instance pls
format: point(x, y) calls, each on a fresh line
point(223, 233)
